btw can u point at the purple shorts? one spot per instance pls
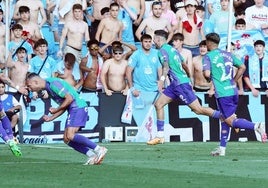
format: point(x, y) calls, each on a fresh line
point(183, 92)
point(77, 117)
point(227, 105)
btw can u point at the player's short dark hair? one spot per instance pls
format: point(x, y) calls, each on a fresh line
point(31, 75)
point(1, 10)
point(77, 6)
point(146, 36)
point(259, 42)
point(23, 9)
point(213, 37)
point(178, 36)
point(161, 33)
point(91, 42)
point(104, 10)
point(16, 26)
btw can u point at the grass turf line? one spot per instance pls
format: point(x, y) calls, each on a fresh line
point(180, 164)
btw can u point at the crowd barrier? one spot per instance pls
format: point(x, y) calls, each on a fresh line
point(181, 124)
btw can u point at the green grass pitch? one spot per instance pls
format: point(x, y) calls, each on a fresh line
point(169, 165)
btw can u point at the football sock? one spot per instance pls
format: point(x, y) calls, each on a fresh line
point(7, 126)
point(225, 129)
point(3, 133)
point(243, 124)
point(84, 141)
point(216, 114)
point(160, 125)
point(79, 147)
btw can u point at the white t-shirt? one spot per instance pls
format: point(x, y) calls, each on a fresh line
point(256, 16)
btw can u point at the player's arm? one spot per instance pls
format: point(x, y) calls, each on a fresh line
point(186, 68)
point(68, 99)
point(240, 71)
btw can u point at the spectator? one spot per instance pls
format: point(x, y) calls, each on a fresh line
point(213, 6)
point(257, 16)
point(130, 49)
point(220, 19)
point(200, 82)
point(169, 15)
point(31, 30)
point(11, 106)
point(191, 28)
point(36, 9)
point(240, 24)
point(43, 64)
point(98, 5)
point(113, 73)
point(17, 71)
point(110, 28)
point(88, 15)
point(177, 41)
point(76, 32)
point(256, 75)
point(68, 70)
point(242, 4)
point(17, 42)
point(144, 70)
point(128, 15)
point(91, 67)
point(2, 37)
point(154, 22)
point(139, 6)
point(240, 14)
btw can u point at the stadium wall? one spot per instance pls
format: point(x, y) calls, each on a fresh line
point(181, 124)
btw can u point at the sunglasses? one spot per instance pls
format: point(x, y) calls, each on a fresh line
point(94, 48)
point(118, 53)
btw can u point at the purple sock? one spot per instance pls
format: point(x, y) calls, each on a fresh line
point(225, 129)
point(216, 114)
point(7, 126)
point(78, 147)
point(82, 140)
point(243, 124)
point(160, 125)
point(3, 133)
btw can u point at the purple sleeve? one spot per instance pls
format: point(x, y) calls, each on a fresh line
point(206, 63)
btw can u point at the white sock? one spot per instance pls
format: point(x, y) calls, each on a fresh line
point(160, 134)
point(90, 153)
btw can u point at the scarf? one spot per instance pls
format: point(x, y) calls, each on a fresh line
point(254, 70)
point(187, 26)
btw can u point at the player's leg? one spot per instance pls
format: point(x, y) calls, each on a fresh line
point(159, 106)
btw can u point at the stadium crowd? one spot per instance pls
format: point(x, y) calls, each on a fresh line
point(48, 37)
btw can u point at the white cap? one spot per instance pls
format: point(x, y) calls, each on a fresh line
point(190, 2)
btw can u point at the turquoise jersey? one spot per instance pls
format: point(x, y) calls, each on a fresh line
point(58, 88)
point(176, 73)
point(220, 64)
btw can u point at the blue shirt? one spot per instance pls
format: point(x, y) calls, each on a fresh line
point(145, 73)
